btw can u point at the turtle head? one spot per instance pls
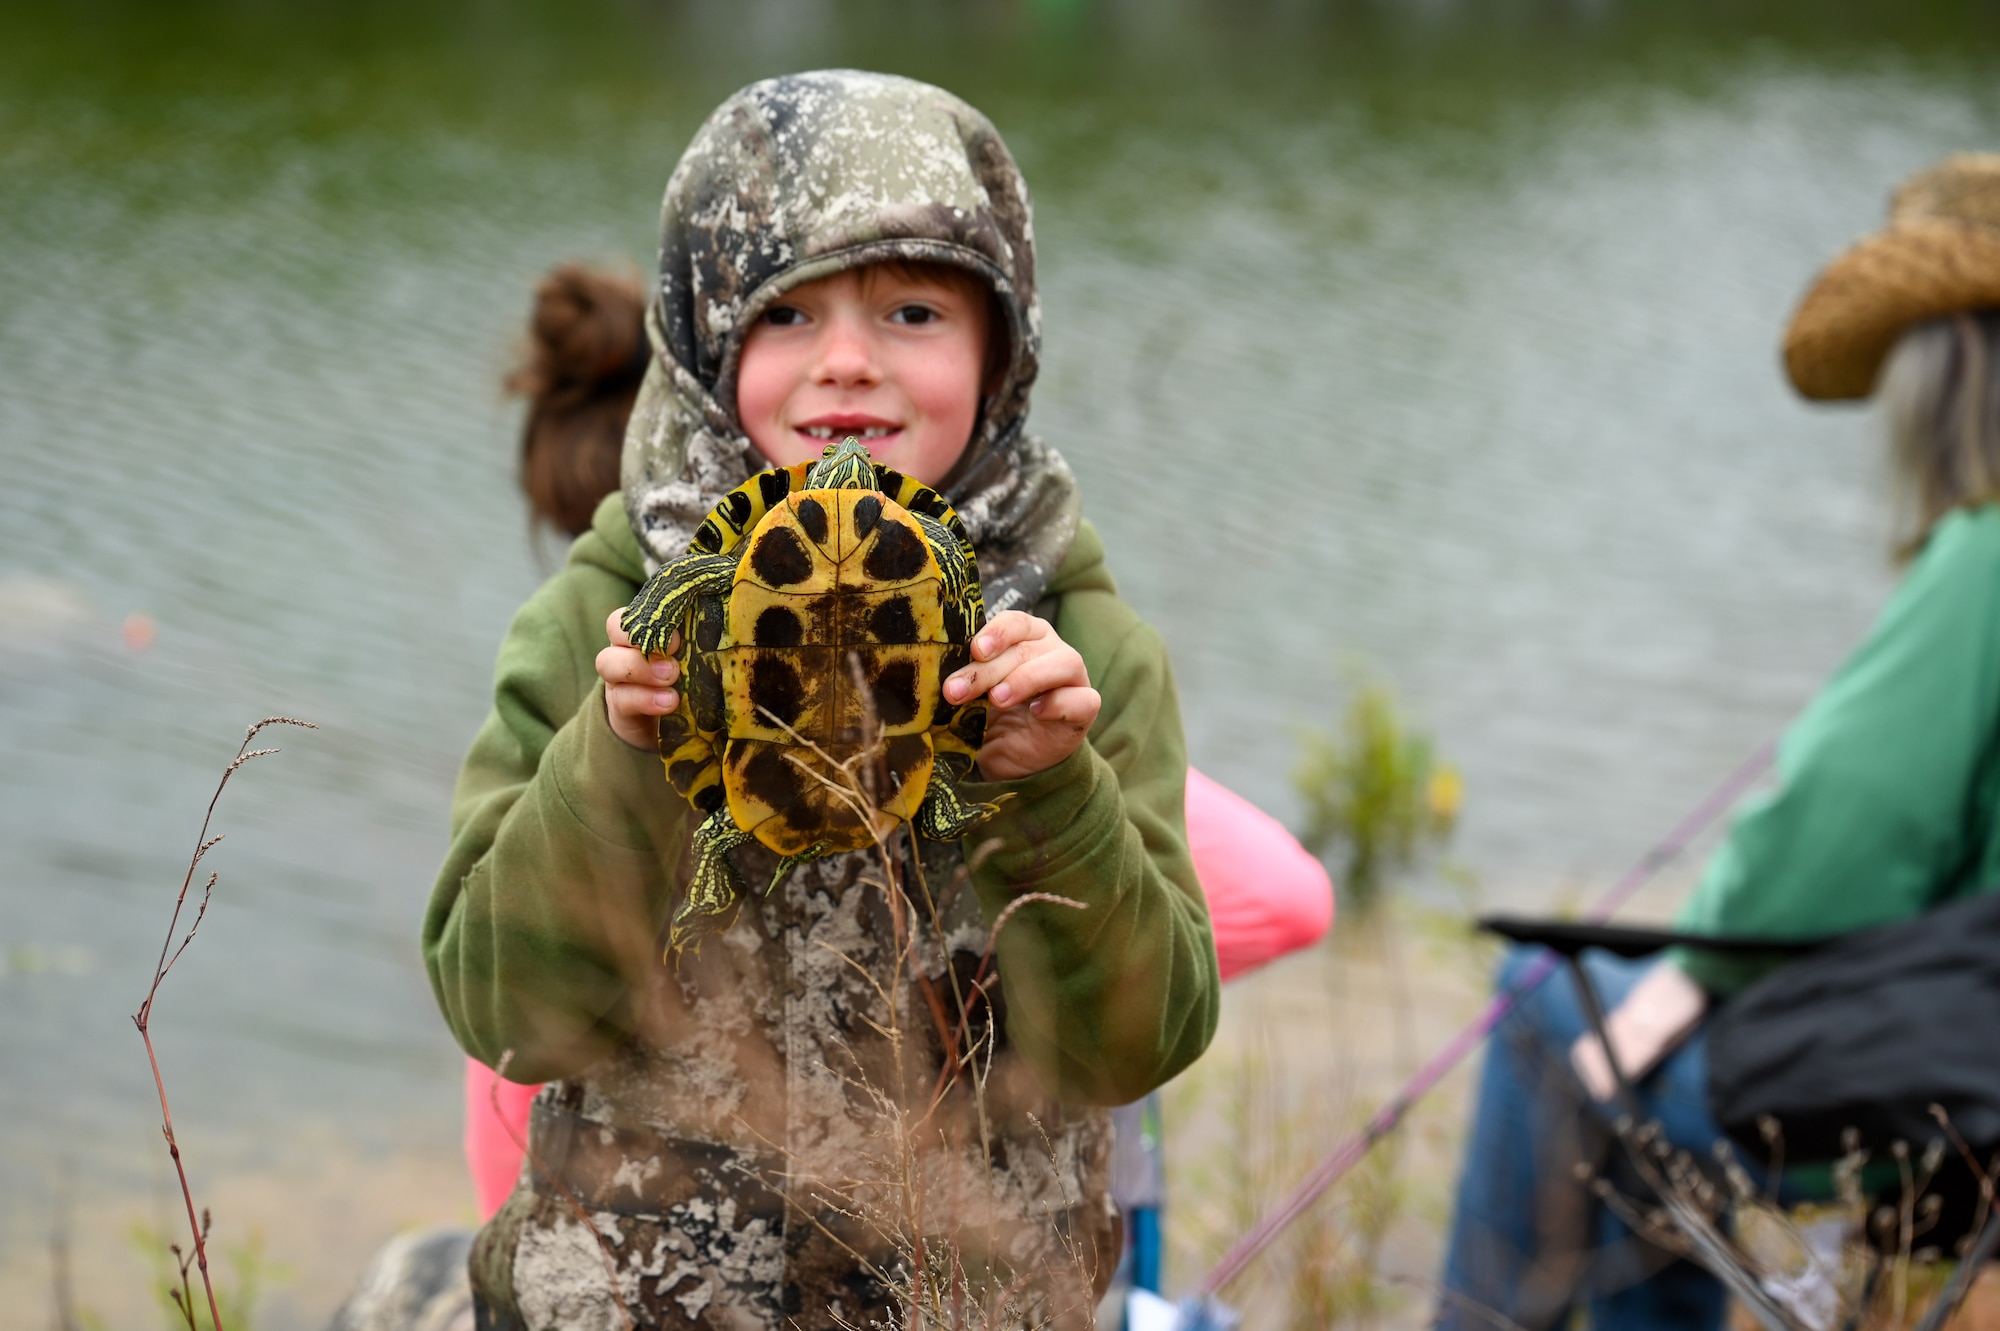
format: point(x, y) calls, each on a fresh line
point(843, 466)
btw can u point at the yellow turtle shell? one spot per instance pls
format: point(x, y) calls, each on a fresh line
point(838, 608)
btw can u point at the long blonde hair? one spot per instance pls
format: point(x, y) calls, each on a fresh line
point(1941, 391)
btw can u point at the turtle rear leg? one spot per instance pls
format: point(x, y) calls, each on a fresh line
point(791, 862)
point(943, 816)
point(714, 888)
point(662, 604)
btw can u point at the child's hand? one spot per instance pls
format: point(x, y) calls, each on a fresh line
point(1018, 659)
point(636, 692)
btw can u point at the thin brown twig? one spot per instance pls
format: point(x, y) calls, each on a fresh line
point(207, 891)
point(1985, 1175)
point(144, 1016)
point(957, 1039)
point(59, 1255)
point(183, 1297)
point(1905, 1223)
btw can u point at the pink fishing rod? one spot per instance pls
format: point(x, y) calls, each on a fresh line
point(1350, 1152)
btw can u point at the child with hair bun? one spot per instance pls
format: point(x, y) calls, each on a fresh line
point(586, 353)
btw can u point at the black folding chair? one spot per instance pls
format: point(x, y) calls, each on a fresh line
point(1567, 939)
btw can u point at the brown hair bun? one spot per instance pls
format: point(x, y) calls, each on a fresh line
point(580, 372)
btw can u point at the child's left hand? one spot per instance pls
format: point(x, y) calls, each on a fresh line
point(1019, 659)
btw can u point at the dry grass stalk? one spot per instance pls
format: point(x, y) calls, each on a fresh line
point(1714, 1213)
point(170, 955)
point(1250, 1127)
point(895, 1197)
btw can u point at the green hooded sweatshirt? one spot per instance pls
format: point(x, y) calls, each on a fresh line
point(774, 1130)
point(1888, 799)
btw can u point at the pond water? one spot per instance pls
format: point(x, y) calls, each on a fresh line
point(1433, 335)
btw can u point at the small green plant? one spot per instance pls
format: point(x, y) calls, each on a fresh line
point(1376, 792)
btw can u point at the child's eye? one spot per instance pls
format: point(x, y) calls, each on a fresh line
point(784, 316)
point(914, 314)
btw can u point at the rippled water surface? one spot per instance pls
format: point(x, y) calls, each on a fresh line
point(1445, 338)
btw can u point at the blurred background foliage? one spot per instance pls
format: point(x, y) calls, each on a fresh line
point(1378, 798)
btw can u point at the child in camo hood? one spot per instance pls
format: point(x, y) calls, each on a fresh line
point(840, 252)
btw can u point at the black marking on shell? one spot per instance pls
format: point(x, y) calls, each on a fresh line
point(970, 726)
point(921, 499)
point(898, 554)
point(775, 687)
point(778, 626)
point(703, 687)
point(684, 774)
point(738, 505)
point(773, 486)
point(781, 558)
point(709, 620)
point(895, 691)
point(771, 778)
point(812, 517)
point(867, 512)
point(892, 622)
point(903, 755)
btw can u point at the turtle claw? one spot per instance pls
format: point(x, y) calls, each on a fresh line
point(943, 816)
point(714, 888)
point(791, 862)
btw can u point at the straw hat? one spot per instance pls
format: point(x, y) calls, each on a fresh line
point(1939, 254)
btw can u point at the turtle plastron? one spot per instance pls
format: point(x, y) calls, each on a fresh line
point(822, 605)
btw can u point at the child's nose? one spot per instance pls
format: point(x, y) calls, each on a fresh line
point(847, 355)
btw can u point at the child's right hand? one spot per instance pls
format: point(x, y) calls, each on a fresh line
point(636, 687)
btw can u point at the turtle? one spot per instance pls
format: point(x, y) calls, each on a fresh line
point(815, 601)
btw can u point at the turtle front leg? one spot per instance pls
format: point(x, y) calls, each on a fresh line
point(943, 816)
point(662, 604)
point(961, 573)
point(715, 886)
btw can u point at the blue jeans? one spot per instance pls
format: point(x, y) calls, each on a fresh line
point(1530, 1240)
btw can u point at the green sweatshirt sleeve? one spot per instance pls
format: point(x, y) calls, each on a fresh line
point(554, 889)
point(1885, 800)
point(1110, 1001)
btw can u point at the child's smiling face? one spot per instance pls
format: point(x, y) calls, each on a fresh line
point(893, 356)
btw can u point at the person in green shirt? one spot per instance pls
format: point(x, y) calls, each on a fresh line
point(726, 1138)
point(1887, 801)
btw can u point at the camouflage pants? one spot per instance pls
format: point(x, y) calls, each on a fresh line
point(695, 1235)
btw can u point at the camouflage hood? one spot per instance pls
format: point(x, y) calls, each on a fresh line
point(797, 178)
